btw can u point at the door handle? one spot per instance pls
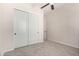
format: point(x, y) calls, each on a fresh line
point(14, 33)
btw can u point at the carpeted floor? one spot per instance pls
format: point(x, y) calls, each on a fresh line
point(46, 48)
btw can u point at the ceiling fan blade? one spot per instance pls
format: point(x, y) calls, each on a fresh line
point(45, 5)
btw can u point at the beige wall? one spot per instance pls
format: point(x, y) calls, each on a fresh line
point(63, 24)
point(0, 29)
point(7, 23)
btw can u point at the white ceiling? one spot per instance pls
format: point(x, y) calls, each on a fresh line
point(47, 8)
point(37, 5)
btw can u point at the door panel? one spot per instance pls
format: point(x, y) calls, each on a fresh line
point(20, 29)
point(27, 28)
point(33, 28)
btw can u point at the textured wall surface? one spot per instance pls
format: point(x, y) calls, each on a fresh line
point(63, 24)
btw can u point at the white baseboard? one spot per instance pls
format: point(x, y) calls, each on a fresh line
point(65, 44)
point(36, 42)
point(3, 52)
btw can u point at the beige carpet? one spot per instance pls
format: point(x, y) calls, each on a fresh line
point(46, 48)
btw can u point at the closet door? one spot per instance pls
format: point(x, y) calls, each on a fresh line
point(33, 28)
point(20, 29)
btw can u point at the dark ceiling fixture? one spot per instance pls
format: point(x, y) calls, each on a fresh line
point(45, 5)
point(52, 6)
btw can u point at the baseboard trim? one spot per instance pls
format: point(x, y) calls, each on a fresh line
point(3, 52)
point(65, 44)
point(36, 42)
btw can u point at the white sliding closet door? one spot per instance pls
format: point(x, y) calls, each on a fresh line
point(33, 28)
point(20, 29)
point(28, 29)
